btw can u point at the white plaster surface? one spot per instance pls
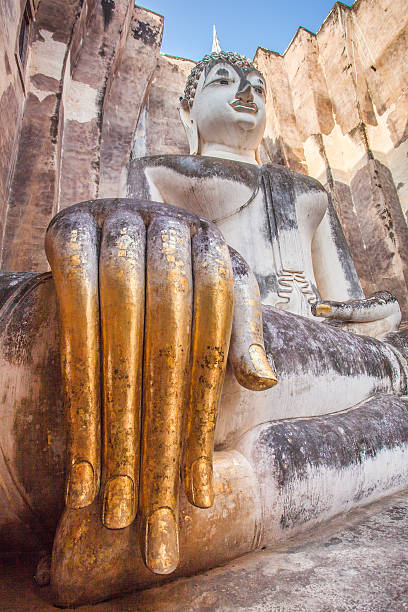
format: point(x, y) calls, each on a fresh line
point(6, 78)
point(345, 154)
point(379, 137)
point(81, 103)
point(398, 164)
point(139, 145)
point(47, 56)
point(315, 162)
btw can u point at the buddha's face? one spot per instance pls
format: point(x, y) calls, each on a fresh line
point(229, 107)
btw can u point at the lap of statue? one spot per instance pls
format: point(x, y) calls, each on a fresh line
point(234, 523)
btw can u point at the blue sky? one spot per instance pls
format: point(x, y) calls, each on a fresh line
point(242, 25)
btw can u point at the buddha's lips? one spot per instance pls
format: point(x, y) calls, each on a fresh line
point(244, 107)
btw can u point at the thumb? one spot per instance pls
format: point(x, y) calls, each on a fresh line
point(247, 351)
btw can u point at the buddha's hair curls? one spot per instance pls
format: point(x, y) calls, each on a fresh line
point(205, 64)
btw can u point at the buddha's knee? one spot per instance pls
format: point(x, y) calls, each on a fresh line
point(310, 469)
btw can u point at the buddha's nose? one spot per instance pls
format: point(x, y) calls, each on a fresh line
point(244, 92)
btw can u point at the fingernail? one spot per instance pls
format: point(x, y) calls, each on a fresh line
point(202, 483)
point(162, 549)
point(81, 486)
point(119, 503)
point(261, 365)
point(323, 309)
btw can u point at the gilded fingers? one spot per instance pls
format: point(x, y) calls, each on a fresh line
point(71, 246)
point(167, 343)
point(176, 343)
point(247, 352)
point(122, 297)
point(213, 308)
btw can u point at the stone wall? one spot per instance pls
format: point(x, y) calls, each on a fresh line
point(12, 94)
point(97, 91)
point(88, 70)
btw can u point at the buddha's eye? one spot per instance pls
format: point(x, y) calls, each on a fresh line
point(223, 82)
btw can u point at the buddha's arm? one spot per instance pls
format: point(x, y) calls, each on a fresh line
point(333, 266)
point(142, 186)
point(340, 288)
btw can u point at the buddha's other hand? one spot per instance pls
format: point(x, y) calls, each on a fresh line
point(146, 296)
point(375, 315)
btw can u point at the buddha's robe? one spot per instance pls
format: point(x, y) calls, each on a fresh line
point(284, 225)
point(276, 219)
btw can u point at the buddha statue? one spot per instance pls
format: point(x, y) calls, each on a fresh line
point(180, 308)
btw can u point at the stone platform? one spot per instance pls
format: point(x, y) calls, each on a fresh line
point(357, 562)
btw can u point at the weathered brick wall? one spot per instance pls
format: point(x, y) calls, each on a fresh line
point(11, 99)
point(159, 129)
point(89, 66)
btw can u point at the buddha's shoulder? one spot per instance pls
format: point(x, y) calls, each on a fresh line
point(300, 181)
point(196, 167)
point(188, 169)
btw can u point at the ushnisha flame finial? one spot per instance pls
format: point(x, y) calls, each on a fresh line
point(216, 47)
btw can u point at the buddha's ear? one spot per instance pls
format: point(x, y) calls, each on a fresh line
point(258, 152)
point(190, 127)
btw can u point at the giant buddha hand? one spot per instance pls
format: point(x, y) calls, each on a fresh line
point(148, 294)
